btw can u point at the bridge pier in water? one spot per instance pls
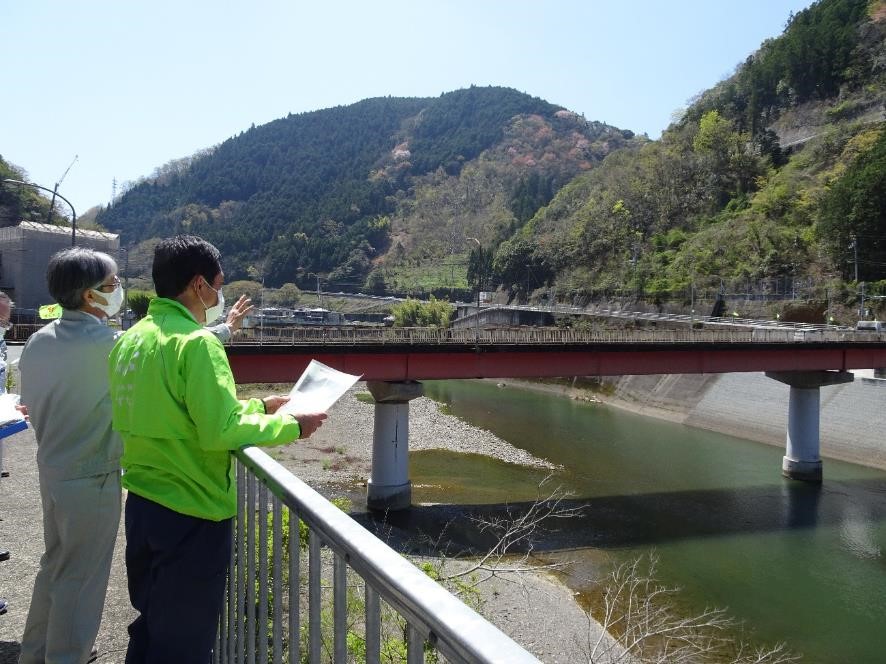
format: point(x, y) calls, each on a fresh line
point(389, 487)
point(802, 459)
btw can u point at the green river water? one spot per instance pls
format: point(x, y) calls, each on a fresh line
point(793, 562)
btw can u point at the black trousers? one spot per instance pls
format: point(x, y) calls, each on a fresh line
point(176, 567)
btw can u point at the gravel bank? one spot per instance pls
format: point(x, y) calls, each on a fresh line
point(340, 453)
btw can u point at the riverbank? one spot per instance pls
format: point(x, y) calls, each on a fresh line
point(534, 608)
point(591, 396)
point(749, 406)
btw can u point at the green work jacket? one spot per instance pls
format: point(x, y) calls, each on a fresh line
point(176, 409)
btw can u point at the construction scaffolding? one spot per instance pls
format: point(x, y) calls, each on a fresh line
point(25, 251)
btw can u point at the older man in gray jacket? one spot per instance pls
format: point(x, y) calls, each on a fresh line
point(64, 381)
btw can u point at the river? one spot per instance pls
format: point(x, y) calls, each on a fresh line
point(794, 562)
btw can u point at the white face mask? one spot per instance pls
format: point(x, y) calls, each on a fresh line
point(114, 301)
point(215, 311)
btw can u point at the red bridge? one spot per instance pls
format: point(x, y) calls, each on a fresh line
point(419, 354)
point(393, 361)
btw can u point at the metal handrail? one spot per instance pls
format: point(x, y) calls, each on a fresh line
point(335, 336)
point(433, 615)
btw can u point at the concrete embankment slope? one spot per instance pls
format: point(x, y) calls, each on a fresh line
point(749, 405)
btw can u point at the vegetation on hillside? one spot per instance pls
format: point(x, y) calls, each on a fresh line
point(18, 203)
point(717, 202)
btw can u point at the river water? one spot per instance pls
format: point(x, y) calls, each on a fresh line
point(794, 562)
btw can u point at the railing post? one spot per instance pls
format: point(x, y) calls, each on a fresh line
point(262, 636)
point(250, 569)
point(294, 588)
point(373, 626)
point(277, 575)
point(240, 651)
point(315, 637)
point(340, 609)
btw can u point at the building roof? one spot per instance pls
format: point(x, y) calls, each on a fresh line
point(66, 230)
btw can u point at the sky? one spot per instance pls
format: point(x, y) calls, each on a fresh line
point(127, 86)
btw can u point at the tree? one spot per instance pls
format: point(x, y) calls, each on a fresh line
point(415, 313)
point(732, 165)
point(855, 207)
point(286, 296)
point(251, 289)
point(139, 301)
point(375, 282)
point(521, 265)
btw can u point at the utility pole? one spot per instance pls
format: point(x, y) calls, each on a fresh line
point(854, 245)
point(861, 302)
point(479, 278)
point(125, 288)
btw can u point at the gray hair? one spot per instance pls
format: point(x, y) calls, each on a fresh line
point(71, 272)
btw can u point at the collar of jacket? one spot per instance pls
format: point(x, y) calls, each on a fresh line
point(81, 316)
point(166, 306)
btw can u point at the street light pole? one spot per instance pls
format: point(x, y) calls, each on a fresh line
point(125, 315)
point(479, 278)
point(54, 193)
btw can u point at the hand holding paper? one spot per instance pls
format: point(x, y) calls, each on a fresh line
point(318, 388)
point(12, 419)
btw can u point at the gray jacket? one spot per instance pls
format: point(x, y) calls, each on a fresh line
point(64, 384)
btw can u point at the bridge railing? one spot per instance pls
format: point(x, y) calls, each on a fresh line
point(545, 335)
point(262, 622)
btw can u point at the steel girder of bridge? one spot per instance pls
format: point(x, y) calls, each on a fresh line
point(386, 362)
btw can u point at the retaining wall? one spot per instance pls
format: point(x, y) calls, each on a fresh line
point(749, 405)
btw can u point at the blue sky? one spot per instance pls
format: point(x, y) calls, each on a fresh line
point(128, 86)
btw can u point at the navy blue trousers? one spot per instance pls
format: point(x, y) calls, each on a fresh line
point(176, 567)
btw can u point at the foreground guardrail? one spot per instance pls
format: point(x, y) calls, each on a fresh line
point(262, 623)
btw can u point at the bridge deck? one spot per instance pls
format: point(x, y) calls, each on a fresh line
point(430, 361)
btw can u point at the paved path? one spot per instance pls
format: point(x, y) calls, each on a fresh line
point(21, 531)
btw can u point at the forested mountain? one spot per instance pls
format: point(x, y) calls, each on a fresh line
point(322, 192)
point(773, 179)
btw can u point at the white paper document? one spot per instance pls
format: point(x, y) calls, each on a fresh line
point(8, 413)
point(317, 389)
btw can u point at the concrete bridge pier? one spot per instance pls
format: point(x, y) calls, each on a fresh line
point(802, 460)
point(389, 486)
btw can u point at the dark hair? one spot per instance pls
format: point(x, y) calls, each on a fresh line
point(71, 272)
point(179, 259)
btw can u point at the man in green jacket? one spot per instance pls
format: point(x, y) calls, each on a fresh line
point(175, 406)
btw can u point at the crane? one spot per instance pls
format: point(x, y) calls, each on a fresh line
point(55, 189)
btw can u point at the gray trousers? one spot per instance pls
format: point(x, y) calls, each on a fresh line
point(80, 522)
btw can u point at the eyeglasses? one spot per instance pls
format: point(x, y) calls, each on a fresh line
point(109, 288)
